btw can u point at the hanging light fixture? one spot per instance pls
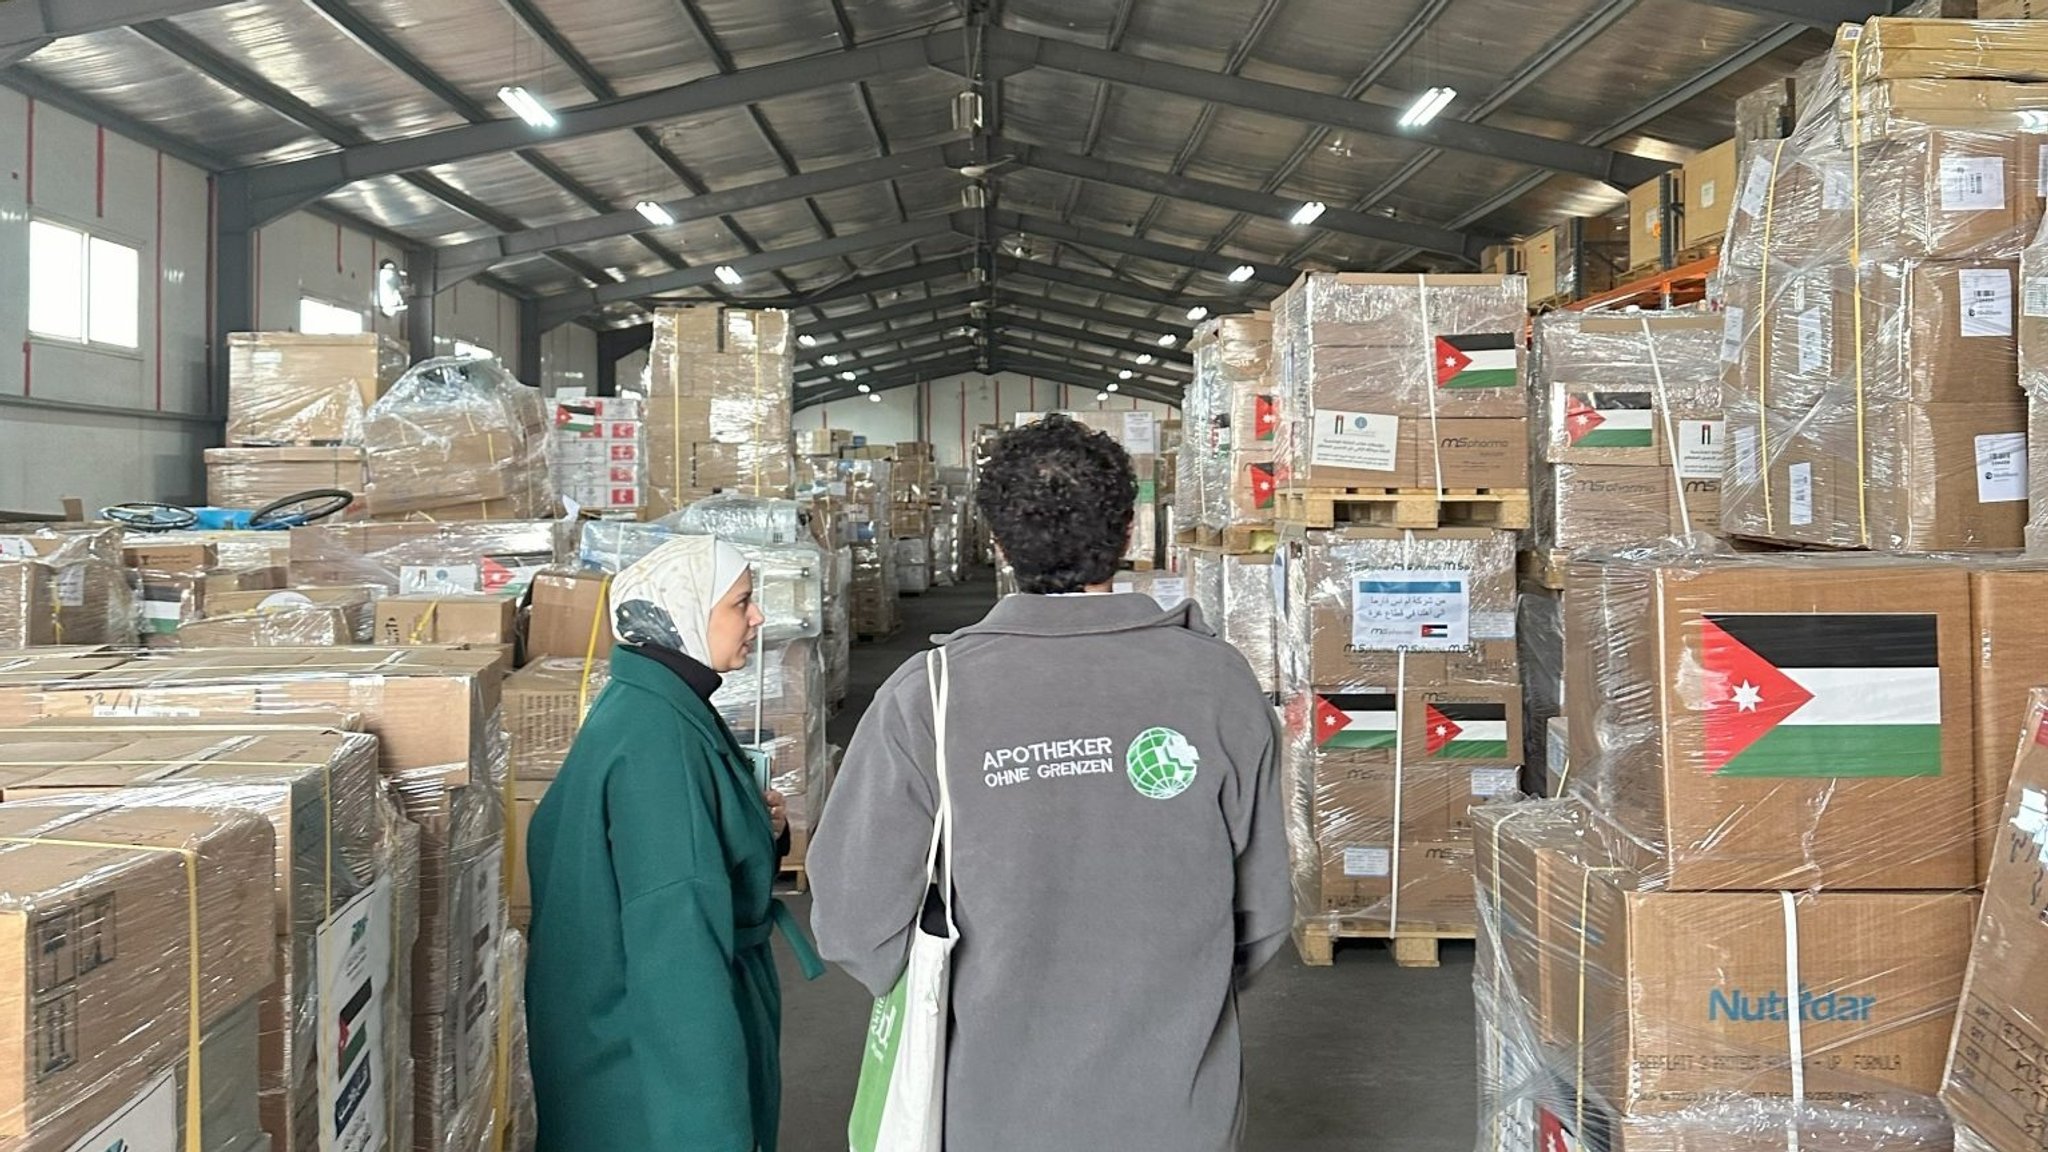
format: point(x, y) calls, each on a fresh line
point(1307, 214)
point(1241, 273)
point(654, 213)
point(526, 106)
point(1427, 106)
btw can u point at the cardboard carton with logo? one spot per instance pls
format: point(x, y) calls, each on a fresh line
point(1709, 181)
point(295, 388)
point(1621, 389)
point(1776, 721)
point(496, 556)
point(1998, 1066)
point(438, 618)
point(544, 707)
point(1232, 420)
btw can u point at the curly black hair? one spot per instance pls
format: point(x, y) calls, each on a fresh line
point(1058, 497)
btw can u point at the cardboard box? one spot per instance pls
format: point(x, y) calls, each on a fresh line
point(1891, 49)
point(1646, 221)
point(1996, 1085)
point(1620, 389)
point(1326, 645)
point(175, 559)
point(570, 616)
point(1776, 721)
point(1710, 191)
point(1596, 506)
point(544, 707)
point(356, 602)
point(2006, 602)
point(28, 604)
point(526, 801)
point(1540, 264)
point(309, 627)
point(446, 619)
point(251, 478)
point(291, 388)
point(1479, 454)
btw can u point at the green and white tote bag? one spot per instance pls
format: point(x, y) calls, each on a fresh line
point(900, 1105)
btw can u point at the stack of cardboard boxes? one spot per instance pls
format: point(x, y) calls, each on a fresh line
point(915, 476)
point(458, 440)
point(297, 406)
point(64, 585)
point(598, 453)
point(720, 386)
point(1225, 543)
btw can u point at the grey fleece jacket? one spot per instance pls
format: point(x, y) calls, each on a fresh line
point(1120, 866)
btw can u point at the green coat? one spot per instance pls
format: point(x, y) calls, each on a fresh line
point(654, 1011)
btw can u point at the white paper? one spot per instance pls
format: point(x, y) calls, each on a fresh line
point(1802, 494)
point(1422, 609)
point(481, 917)
point(147, 1123)
point(1496, 781)
point(2001, 467)
point(1141, 434)
point(1837, 187)
point(1747, 464)
point(416, 579)
point(71, 586)
point(2042, 185)
point(1755, 189)
point(2032, 818)
point(1986, 300)
point(1813, 340)
point(2034, 294)
point(1972, 183)
point(1123, 587)
point(16, 548)
point(1363, 440)
point(1493, 625)
point(1368, 861)
point(353, 957)
point(1702, 449)
point(1731, 335)
point(1170, 591)
point(1707, 193)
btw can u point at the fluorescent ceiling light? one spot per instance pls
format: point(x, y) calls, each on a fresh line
point(847, 376)
point(1198, 313)
point(875, 396)
point(1113, 386)
point(1144, 357)
point(865, 389)
point(1125, 374)
point(1307, 214)
point(655, 214)
point(1427, 106)
point(618, 275)
point(829, 359)
point(526, 106)
point(807, 341)
point(727, 276)
point(1101, 396)
point(1241, 273)
point(1168, 340)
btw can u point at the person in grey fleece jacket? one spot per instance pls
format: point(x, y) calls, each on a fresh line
point(1120, 857)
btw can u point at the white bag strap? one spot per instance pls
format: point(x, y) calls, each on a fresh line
point(938, 858)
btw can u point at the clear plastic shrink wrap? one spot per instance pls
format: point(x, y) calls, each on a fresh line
point(1401, 381)
point(293, 388)
point(251, 478)
point(1402, 711)
point(720, 382)
point(1869, 364)
point(85, 595)
point(778, 706)
point(2033, 357)
point(1238, 484)
point(789, 579)
point(599, 453)
point(459, 439)
point(747, 520)
point(421, 558)
point(1236, 597)
point(339, 858)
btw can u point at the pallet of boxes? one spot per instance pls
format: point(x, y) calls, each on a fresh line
point(869, 497)
point(916, 476)
point(717, 412)
point(1138, 432)
point(297, 408)
point(1402, 410)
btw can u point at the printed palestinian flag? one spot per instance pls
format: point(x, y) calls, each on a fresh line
point(1357, 721)
point(1259, 477)
point(1607, 419)
point(1479, 360)
point(1466, 731)
point(1265, 418)
point(1798, 694)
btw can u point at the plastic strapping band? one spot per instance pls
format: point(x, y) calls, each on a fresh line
point(1579, 1048)
point(1400, 761)
point(597, 620)
point(424, 626)
point(195, 1095)
point(1670, 430)
point(1795, 1028)
point(1856, 271)
point(501, 1055)
point(1763, 343)
point(1429, 379)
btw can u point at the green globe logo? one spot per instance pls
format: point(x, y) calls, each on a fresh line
point(1161, 763)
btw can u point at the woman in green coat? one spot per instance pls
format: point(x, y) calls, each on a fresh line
point(654, 1011)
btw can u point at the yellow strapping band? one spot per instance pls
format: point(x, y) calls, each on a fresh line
point(425, 624)
point(597, 620)
point(501, 1055)
point(1763, 341)
point(194, 1029)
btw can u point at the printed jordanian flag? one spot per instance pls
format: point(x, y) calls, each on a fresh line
point(1260, 478)
point(1467, 731)
point(1798, 694)
point(1479, 360)
point(1361, 721)
point(355, 1031)
point(1608, 419)
point(575, 417)
point(1265, 417)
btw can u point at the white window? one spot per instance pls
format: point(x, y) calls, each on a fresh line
point(83, 287)
point(464, 350)
point(319, 318)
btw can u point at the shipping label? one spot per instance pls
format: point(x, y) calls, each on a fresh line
point(2001, 467)
point(1802, 494)
point(447, 579)
point(16, 548)
point(1368, 861)
point(1141, 434)
point(147, 1123)
point(1972, 183)
point(1170, 591)
point(1748, 461)
point(1363, 440)
point(1701, 449)
point(1813, 340)
point(1756, 189)
point(1423, 610)
point(71, 586)
point(1496, 781)
point(1731, 334)
point(1986, 301)
point(2034, 295)
point(353, 957)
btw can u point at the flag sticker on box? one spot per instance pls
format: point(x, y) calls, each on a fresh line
point(1476, 360)
point(1810, 694)
point(1466, 731)
point(1259, 478)
point(1265, 418)
point(1358, 721)
point(1608, 419)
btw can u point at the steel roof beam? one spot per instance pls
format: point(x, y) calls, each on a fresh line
point(278, 188)
point(918, 372)
point(28, 26)
point(1143, 249)
point(1812, 13)
point(831, 327)
point(1029, 365)
point(858, 286)
point(893, 359)
point(1130, 289)
point(1139, 326)
point(1165, 365)
point(1165, 356)
point(1002, 302)
point(845, 349)
point(1107, 365)
point(1617, 168)
point(557, 310)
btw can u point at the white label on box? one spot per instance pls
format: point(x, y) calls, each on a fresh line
point(1368, 861)
point(1363, 440)
point(1424, 610)
point(2034, 295)
point(1747, 465)
point(353, 957)
point(1123, 587)
point(1141, 434)
point(1496, 781)
point(71, 586)
point(2032, 817)
point(418, 579)
point(1170, 591)
point(2042, 183)
point(1708, 193)
point(480, 920)
point(1701, 449)
point(1493, 625)
point(1987, 301)
point(16, 548)
point(1837, 187)
point(1756, 188)
point(1972, 183)
point(2001, 467)
point(147, 1123)
point(1731, 335)
point(1813, 340)
point(1802, 494)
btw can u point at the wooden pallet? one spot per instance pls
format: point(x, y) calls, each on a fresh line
point(1412, 947)
point(1404, 507)
point(793, 879)
point(1138, 565)
point(1237, 540)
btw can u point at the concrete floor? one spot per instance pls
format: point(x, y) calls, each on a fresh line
point(1362, 1057)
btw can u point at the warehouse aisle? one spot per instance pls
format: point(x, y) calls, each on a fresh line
point(1361, 1057)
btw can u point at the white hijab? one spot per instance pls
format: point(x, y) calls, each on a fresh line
point(665, 598)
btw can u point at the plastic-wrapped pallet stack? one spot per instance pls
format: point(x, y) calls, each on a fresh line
point(63, 586)
point(297, 405)
point(457, 439)
point(1226, 544)
point(720, 382)
point(598, 454)
point(870, 511)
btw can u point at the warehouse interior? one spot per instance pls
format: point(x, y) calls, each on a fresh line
point(1601, 428)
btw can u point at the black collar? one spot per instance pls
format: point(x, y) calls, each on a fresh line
point(701, 679)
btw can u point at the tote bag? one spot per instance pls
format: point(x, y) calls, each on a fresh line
point(900, 1105)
